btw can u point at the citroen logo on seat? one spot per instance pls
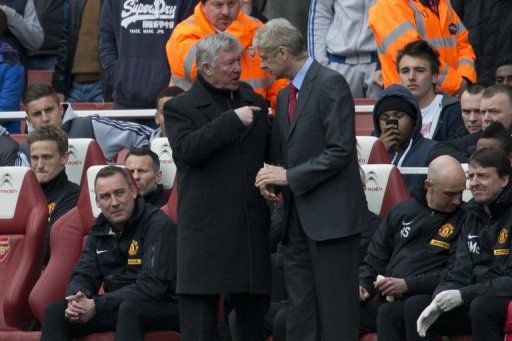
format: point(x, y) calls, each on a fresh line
point(6, 180)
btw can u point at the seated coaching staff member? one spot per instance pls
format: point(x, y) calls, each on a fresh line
point(131, 249)
point(218, 133)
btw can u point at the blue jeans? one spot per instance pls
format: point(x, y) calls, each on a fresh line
point(85, 92)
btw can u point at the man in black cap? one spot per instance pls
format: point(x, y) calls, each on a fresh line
point(397, 123)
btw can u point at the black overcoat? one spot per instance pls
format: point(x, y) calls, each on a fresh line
point(223, 221)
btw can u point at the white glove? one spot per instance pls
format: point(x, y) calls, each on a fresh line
point(448, 300)
point(427, 318)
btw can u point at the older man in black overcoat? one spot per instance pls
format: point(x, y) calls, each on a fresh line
point(219, 136)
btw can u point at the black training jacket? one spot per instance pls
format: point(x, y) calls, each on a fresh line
point(413, 242)
point(483, 266)
point(139, 263)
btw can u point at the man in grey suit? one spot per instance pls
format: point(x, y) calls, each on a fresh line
point(314, 146)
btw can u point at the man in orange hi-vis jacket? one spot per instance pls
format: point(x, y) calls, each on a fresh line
point(398, 22)
point(212, 16)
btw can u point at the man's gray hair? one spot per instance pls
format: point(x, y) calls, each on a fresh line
point(280, 32)
point(209, 46)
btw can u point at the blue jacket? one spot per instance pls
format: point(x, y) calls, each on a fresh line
point(12, 79)
point(413, 152)
point(450, 121)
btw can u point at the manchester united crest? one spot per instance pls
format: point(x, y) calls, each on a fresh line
point(134, 248)
point(446, 230)
point(502, 237)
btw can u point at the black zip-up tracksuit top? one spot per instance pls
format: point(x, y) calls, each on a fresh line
point(139, 263)
point(413, 242)
point(483, 265)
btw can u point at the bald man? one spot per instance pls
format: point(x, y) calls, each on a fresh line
point(410, 249)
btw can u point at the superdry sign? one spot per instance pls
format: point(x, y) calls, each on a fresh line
point(148, 18)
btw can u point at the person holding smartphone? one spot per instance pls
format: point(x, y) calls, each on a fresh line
point(397, 123)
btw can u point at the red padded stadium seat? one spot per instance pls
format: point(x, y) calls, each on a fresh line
point(385, 187)
point(364, 123)
point(23, 223)
point(121, 156)
point(39, 76)
point(364, 120)
point(171, 208)
point(83, 153)
point(20, 138)
point(365, 101)
point(368, 337)
point(152, 336)
point(371, 150)
point(93, 106)
point(373, 337)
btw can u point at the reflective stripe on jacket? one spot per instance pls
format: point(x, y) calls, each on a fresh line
point(181, 53)
point(395, 23)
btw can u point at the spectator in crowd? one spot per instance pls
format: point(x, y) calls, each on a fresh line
point(218, 131)
point(53, 16)
point(250, 8)
point(164, 95)
point(396, 23)
point(473, 296)
point(131, 250)
point(8, 149)
point(211, 16)
point(49, 157)
point(339, 38)
point(317, 159)
point(496, 136)
point(295, 12)
point(144, 166)
point(23, 29)
point(132, 48)
point(397, 122)
point(77, 76)
point(411, 249)
point(504, 71)
point(495, 105)
point(418, 65)
point(470, 105)
point(489, 25)
point(12, 76)
point(43, 106)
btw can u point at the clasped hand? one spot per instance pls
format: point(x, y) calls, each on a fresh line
point(80, 308)
point(268, 177)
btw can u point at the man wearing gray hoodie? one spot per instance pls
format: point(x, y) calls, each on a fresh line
point(340, 39)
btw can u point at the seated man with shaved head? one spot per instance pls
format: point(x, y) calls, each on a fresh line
point(410, 249)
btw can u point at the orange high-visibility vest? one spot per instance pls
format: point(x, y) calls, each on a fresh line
point(182, 45)
point(395, 23)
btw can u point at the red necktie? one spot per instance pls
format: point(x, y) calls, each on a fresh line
point(292, 102)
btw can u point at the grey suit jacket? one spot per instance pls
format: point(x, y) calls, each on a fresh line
point(318, 149)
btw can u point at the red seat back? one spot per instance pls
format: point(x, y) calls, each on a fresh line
point(23, 224)
point(385, 187)
point(83, 153)
point(171, 208)
point(371, 150)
